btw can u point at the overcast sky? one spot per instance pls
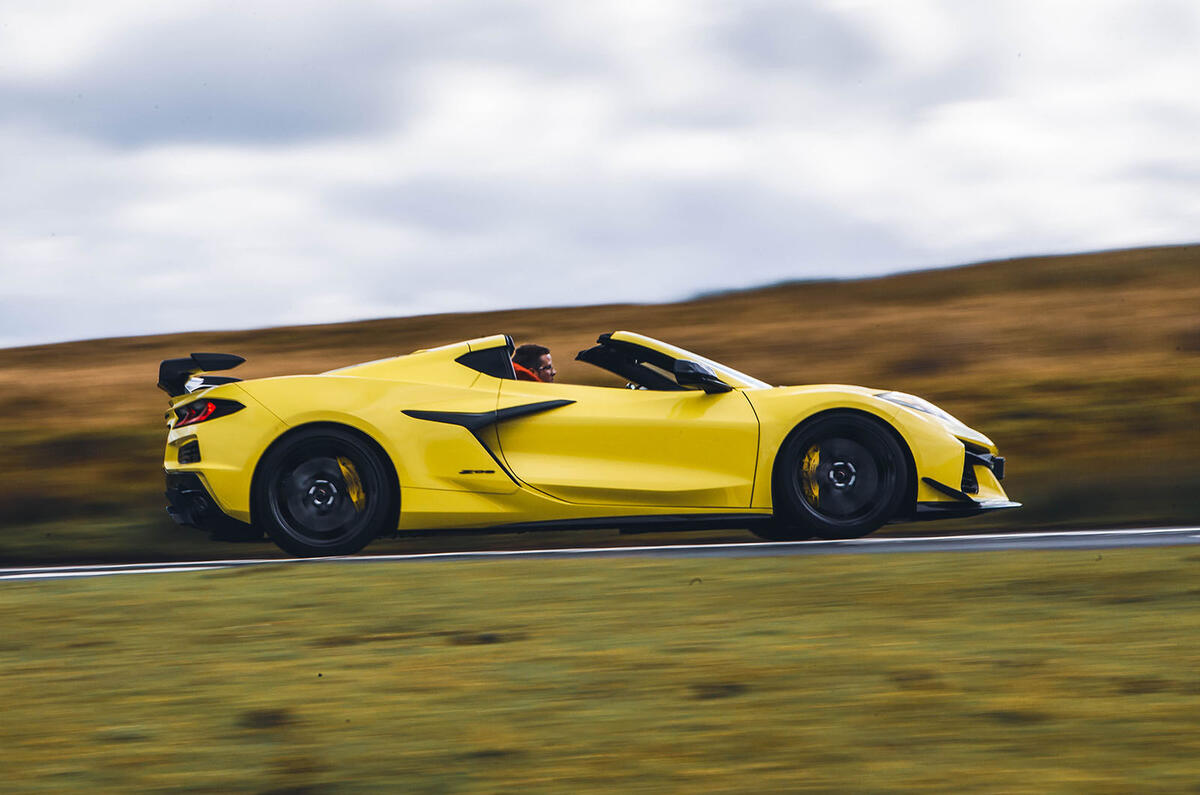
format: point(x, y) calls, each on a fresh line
point(195, 165)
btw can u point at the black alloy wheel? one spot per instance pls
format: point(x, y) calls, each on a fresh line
point(324, 491)
point(842, 475)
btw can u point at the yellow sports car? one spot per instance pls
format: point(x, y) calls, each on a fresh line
point(449, 439)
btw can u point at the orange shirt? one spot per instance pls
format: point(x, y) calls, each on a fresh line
point(524, 373)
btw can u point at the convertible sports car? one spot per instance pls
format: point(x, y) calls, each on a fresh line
point(448, 439)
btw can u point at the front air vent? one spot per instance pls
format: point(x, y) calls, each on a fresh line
point(977, 455)
point(970, 485)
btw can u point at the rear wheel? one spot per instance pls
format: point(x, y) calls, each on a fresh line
point(841, 476)
point(324, 491)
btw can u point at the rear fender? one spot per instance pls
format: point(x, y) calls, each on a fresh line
point(423, 454)
point(388, 460)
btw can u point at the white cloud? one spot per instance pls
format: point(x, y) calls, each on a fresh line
point(208, 164)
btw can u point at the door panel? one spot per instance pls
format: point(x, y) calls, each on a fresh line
point(633, 447)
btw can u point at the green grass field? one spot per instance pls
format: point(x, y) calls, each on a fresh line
point(1025, 672)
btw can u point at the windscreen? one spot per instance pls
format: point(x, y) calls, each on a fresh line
point(727, 374)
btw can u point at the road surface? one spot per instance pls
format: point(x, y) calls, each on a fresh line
point(1077, 539)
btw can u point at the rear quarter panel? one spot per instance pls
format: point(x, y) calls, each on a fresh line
point(230, 447)
point(425, 454)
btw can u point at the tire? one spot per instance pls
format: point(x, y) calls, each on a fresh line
point(842, 475)
point(324, 491)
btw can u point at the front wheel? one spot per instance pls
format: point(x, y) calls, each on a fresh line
point(321, 492)
point(841, 476)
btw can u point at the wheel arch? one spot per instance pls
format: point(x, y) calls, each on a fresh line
point(910, 489)
point(389, 465)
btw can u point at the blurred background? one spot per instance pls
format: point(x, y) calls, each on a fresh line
point(746, 180)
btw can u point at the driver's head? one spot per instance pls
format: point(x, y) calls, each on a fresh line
point(536, 359)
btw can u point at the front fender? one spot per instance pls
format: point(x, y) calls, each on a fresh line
point(935, 451)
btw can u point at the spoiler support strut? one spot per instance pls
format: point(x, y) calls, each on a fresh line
point(174, 373)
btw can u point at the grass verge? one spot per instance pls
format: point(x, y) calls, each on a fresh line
point(1025, 672)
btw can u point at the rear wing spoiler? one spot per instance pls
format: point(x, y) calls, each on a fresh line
point(173, 374)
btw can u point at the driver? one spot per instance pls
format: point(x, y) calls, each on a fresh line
point(532, 363)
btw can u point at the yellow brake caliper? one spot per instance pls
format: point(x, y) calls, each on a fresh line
point(353, 484)
point(812, 491)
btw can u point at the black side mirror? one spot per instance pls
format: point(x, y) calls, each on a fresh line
point(689, 373)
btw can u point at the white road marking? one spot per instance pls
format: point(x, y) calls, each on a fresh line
point(108, 569)
point(75, 573)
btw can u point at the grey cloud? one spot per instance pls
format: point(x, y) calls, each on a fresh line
point(810, 43)
point(971, 77)
point(1164, 173)
point(237, 74)
point(221, 78)
point(718, 232)
point(804, 37)
point(444, 205)
point(665, 238)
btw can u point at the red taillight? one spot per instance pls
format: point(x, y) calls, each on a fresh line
point(195, 412)
point(201, 410)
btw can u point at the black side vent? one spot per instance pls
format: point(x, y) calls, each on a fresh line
point(190, 453)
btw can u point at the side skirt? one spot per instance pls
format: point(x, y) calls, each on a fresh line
point(626, 524)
